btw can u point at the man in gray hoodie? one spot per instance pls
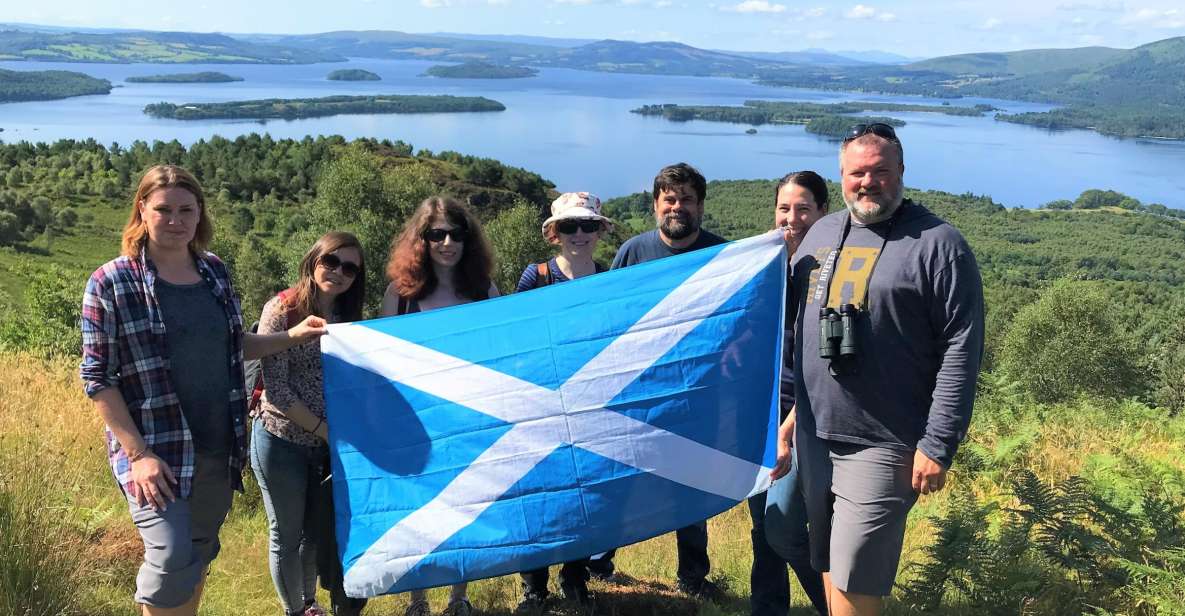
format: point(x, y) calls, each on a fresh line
point(884, 396)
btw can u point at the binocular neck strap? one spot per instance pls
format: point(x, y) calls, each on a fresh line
point(827, 273)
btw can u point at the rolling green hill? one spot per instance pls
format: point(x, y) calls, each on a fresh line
point(18, 86)
point(1026, 62)
point(158, 47)
point(1126, 93)
point(607, 55)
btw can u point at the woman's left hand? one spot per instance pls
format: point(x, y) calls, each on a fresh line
point(311, 328)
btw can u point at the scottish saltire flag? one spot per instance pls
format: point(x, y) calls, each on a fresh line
point(546, 426)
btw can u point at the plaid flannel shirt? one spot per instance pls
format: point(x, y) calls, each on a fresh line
point(124, 346)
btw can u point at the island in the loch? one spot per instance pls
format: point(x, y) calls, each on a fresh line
point(828, 120)
point(352, 74)
point(297, 108)
point(202, 77)
point(480, 70)
point(18, 86)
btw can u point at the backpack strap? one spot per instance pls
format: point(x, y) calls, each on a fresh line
point(543, 275)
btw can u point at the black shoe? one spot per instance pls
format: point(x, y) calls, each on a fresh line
point(601, 569)
point(576, 592)
point(703, 590)
point(531, 605)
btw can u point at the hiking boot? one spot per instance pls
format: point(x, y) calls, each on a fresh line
point(703, 590)
point(531, 604)
point(460, 607)
point(418, 608)
point(577, 592)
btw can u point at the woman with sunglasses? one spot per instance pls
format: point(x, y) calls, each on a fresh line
point(288, 442)
point(163, 348)
point(575, 226)
point(440, 259)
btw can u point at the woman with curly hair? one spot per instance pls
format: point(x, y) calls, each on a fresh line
point(440, 259)
point(288, 443)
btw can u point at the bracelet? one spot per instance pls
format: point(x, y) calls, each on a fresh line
point(320, 421)
point(136, 456)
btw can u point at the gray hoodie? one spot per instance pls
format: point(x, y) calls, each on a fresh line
point(920, 334)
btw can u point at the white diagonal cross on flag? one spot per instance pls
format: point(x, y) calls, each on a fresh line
point(544, 419)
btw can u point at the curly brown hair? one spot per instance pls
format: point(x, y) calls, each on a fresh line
point(302, 296)
point(410, 267)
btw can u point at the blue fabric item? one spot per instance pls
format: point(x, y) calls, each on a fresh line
point(510, 434)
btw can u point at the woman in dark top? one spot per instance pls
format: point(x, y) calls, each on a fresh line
point(440, 259)
point(575, 225)
point(288, 442)
point(163, 348)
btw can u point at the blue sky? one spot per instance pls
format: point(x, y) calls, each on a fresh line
point(908, 27)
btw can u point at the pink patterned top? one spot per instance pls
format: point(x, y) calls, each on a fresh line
point(290, 376)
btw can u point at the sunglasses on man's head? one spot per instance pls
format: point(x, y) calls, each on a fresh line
point(332, 262)
point(880, 129)
point(459, 234)
point(568, 227)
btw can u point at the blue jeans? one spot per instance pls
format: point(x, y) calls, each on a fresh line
point(780, 538)
point(289, 477)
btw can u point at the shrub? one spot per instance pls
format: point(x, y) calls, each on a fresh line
point(1067, 343)
point(517, 242)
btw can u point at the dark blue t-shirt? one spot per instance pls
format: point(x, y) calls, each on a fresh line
point(649, 246)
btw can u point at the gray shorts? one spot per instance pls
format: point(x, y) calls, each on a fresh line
point(181, 541)
point(857, 500)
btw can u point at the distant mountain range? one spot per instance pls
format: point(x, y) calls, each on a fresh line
point(1125, 92)
point(136, 46)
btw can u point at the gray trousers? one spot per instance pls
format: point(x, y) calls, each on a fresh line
point(181, 541)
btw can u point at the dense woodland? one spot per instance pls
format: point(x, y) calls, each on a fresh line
point(480, 70)
point(16, 86)
point(352, 74)
point(827, 119)
point(296, 108)
point(201, 77)
point(1058, 506)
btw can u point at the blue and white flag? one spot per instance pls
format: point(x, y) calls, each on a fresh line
point(542, 427)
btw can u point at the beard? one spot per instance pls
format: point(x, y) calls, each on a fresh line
point(876, 207)
point(679, 225)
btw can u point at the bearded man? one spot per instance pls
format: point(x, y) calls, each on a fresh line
point(889, 334)
point(679, 193)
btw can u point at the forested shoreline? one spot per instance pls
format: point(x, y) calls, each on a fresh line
point(19, 86)
point(296, 108)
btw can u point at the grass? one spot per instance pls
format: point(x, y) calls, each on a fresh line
point(64, 528)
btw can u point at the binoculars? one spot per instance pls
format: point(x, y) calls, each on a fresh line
point(838, 340)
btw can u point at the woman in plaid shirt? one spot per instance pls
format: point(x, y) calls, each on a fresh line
point(157, 324)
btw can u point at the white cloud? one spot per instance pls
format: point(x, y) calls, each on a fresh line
point(1106, 6)
point(860, 12)
point(435, 4)
point(1169, 19)
point(662, 4)
point(756, 6)
point(863, 11)
point(819, 35)
point(992, 23)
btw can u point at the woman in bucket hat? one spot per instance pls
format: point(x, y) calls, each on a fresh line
point(576, 225)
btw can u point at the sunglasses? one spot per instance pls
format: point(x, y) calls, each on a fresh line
point(332, 262)
point(459, 234)
point(568, 227)
point(880, 129)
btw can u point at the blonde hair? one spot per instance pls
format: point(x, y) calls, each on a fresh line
point(135, 232)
